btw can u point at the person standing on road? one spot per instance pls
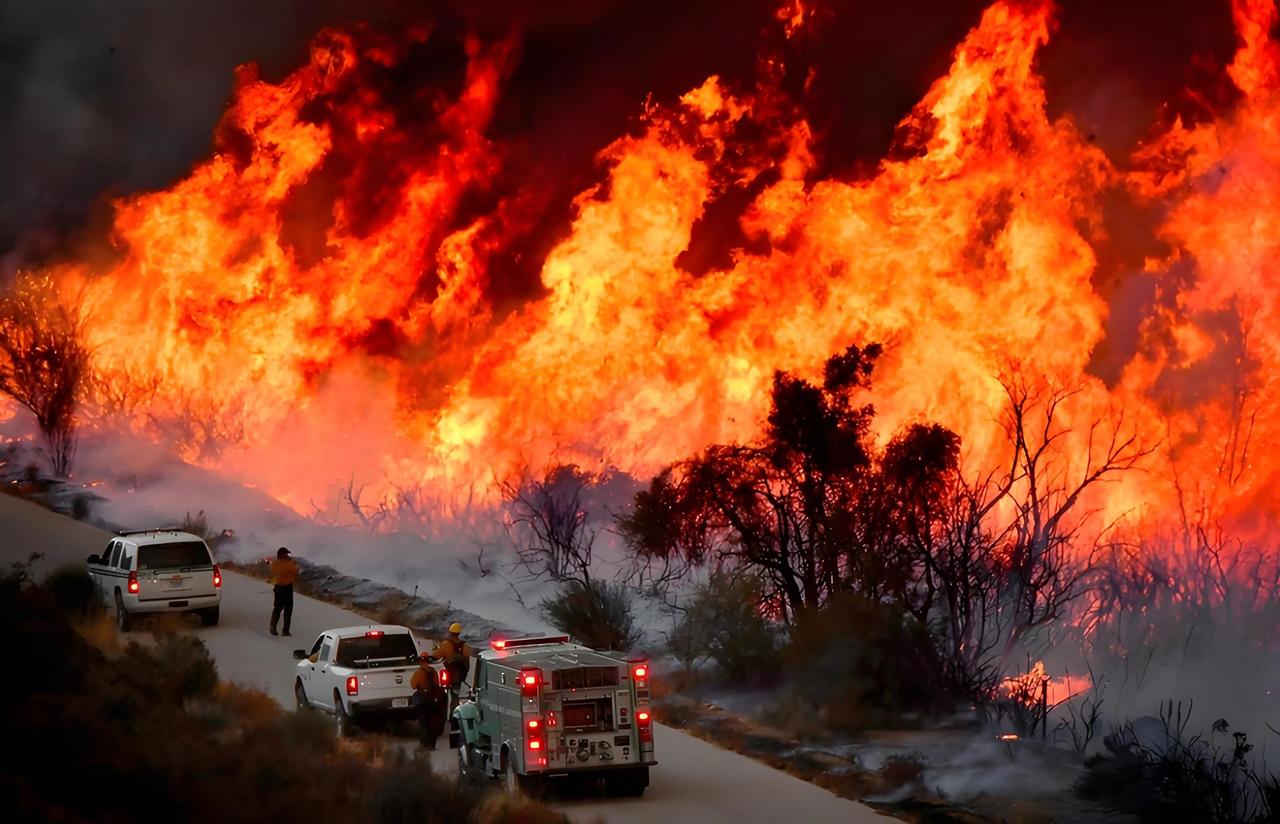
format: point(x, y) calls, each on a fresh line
point(284, 571)
point(429, 698)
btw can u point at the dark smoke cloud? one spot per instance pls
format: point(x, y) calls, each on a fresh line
point(108, 97)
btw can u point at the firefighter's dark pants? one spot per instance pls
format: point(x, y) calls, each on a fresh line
point(430, 717)
point(283, 604)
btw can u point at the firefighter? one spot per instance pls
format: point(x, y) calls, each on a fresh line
point(284, 571)
point(429, 697)
point(456, 655)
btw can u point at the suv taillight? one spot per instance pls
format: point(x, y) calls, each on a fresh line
point(444, 677)
point(217, 576)
point(353, 685)
point(133, 583)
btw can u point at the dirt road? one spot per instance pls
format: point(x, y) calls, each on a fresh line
point(694, 781)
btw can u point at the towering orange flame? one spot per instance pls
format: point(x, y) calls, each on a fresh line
point(970, 253)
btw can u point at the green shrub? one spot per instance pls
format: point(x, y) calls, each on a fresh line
point(178, 667)
point(724, 622)
point(862, 662)
point(75, 593)
point(595, 614)
point(407, 792)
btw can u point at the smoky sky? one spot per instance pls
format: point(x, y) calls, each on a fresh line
point(101, 98)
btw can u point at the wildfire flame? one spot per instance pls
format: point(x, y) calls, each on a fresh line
point(363, 325)
point(1031, 685)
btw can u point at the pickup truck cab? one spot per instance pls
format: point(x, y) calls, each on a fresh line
point(546, 708)
point(156, 571)
point(358, 673)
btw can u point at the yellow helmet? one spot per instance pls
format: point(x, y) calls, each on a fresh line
point(455, 628)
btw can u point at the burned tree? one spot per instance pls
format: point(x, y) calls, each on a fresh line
point(1002, 559)
point(549, 524)
point(43, 362)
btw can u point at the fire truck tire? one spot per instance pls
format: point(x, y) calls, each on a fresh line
point(465, 773)
point(516, 783)
point(627, 783)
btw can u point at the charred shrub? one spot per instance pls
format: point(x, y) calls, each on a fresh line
point(75, 593)
point(861, 662)
point(596, 614)
point(724, 623)
point(1154, 769)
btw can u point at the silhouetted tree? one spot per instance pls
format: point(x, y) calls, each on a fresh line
point(802, 509)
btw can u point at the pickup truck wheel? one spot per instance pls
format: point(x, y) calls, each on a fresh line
point(209, 617)
point(342, 721)
point(300, 696)
point(124, 621)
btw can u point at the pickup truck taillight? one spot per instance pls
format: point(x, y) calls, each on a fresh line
point(217, 577)
point(133, 583)
point(353, 685)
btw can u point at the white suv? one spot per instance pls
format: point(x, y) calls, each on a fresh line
point(158, 571)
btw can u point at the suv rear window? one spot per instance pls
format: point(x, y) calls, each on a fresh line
point(171, 556)
point(381, 650)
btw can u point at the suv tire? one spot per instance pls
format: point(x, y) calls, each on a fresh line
point(124, 621)
point(209, 617)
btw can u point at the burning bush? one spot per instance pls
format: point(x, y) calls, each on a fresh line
point(43, 362)
point(974, 568)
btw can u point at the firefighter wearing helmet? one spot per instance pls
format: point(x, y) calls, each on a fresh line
point(456, 655)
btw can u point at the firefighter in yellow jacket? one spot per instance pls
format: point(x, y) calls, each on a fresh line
point(284, 571)
point(456, 655)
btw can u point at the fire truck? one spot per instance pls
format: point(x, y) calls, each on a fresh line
point(546, 708)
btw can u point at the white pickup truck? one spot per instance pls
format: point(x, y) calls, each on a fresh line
point(358, 673)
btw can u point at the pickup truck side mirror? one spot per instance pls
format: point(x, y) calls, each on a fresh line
point(93, 559)
point(299, 654)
